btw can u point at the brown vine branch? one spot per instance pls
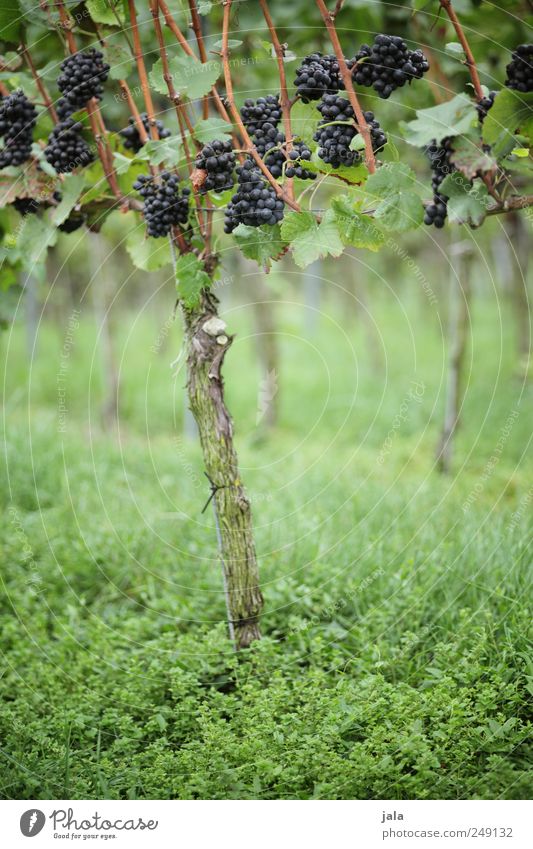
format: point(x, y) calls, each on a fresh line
point(522, 202)
point(335, 11)
point(38, 82)
point(283, 97)
point(348, 84)
point(236, 116)
point(197, 29)
point(470, 61)
point(181, 112)
point(141, 70)
point(174, 28)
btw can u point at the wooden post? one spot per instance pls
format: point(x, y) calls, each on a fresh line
point(460, 291)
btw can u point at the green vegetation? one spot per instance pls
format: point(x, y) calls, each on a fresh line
point(394, 663)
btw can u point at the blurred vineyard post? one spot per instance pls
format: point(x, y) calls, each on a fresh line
point(461, 254)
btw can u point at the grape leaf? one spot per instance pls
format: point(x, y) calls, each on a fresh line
point(119, 58)
point(400, 207)
point(101, 11)
point(147, 254)
point(469, 158)
point(353, 174)
point(71, 189)
point(232, 44)
point(402, 211)
point(453, 48)
point(355, 228)
point(391, 177)
point(262, 244)
point(467, 202)
point(35, 237)
point(210, 129)
point(191, 278)
point(10, 20)
point(29, 181)
point(309, 240)
point(122, 163)
point(304, 121)
point(189, 77)
point(452, 118)
point(168, 151)
point(512, 110)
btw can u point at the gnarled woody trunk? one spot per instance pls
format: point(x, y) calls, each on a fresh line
point(206, 349)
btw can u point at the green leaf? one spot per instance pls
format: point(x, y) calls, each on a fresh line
point(189, 77)
point(391, 177)
point(262, 244)
point(470, 158)
point(511, 111)
point(204, 7)
point(467, 202)
point(71, 188)
point(400, 207)
point(355, 228)
point(232, 44)
point(310, 240)
point(122, 163)
point(210, 129)
point(452, 118)
point(147, 254)
point(401, 212)
point(10, 20)
point(101, 11)
point(453, 48)
point(354, 174)
point(37, 235)
point(357, 143)
point(520, 166)
point(120, 60)
point(168, 151)
point(191, 278)
point(304, 119)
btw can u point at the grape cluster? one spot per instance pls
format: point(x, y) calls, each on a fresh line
point(66, 148)
point(520, 69)
point(388, 64)
point(26, 206)
point(297, 158)
point(279, 161)
point(438, 154)
point(317, 75)
point(484, 105)
point(17, 120)
point(256, 114)
point(270, 144)
point(255, 202)
point(218, 160)
point(82, 77)
point(164, 205)
point(73, 222)
point(334, 138)
point(130, 134)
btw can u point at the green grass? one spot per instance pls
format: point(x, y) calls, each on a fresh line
point(395, 657)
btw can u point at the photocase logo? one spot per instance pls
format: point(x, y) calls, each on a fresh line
point(32, 822)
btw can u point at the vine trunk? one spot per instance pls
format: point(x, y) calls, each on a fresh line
point(207, 346)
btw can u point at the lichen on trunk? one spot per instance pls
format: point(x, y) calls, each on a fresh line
point(207, 345)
